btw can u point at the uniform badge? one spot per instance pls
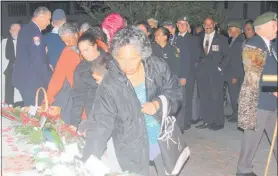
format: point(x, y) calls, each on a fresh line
point(37, 40)
point(165, 55)
point(177, 52)
point(215, 47)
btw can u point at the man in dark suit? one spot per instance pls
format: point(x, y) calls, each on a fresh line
point(31, 70)
point(234, 73)
point(9, 53)
point(189, 49)
point(210, 76)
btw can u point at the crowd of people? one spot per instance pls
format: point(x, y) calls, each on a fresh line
point(107, 79)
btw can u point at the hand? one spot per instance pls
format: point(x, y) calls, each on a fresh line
point(183, 81)
point(275, 94)
point(81, 133)
point(234, 80)
point(150, 108)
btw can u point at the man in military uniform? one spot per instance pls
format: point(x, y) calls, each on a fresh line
point(31, 69)
point(234, 73)
point(257, 109)
point(189, 49)
point(210, 76)
point(172, 28)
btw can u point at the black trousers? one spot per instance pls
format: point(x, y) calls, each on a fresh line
point(211, 98)
point(9, 90)
point(181, 111)
point(234, 90)
point(189, 90)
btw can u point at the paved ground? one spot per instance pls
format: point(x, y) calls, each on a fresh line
point(212, 153)
point(215, 153)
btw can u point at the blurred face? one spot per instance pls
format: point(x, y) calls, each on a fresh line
point(160, 37)
point(271, 28)
point(70, 39)
point(87, 50)
point(171, 29)
point(14, 30)
point(97, 77)
point(198, 30)
point(182, 26)
point(44, 20)
point(209, 25)
point(233, 32)
point(129, 59)
point(152, 24)
point(143, 28)
point(249, 31)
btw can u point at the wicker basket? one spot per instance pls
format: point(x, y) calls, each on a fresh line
point(49, 110)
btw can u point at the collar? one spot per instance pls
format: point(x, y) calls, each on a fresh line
point(182, 34)
point(55, 30)
point(211, 34)
point(267, 42)
point(37, 26)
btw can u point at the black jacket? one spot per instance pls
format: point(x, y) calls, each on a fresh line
point(188, 46)
point(84, 89)
point(235, 66)
point(117, 112)
point(170, 54)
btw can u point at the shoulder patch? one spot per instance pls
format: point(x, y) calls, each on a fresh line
point(37, 40)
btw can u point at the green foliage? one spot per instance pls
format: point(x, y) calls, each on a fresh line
point(29, 134)
point(142, 10)
point(23, 129)
point(36, 137)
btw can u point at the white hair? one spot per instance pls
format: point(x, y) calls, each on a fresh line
point(84, 27)
point(68, 28)
point(152, 19)
point(40, 11)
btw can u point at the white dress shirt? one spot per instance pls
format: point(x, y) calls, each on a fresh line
point(267, 42)
point(182, 34)
point(55, 30)
point(15, 41)
point(211, 35)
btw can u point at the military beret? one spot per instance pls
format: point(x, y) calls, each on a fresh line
point(264, 18)
point(184, 18)
point(235, 24)
point(167, 23)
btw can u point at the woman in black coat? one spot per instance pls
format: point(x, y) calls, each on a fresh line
point(127, 105)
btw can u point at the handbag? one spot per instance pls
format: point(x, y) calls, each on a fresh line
point(173, 148)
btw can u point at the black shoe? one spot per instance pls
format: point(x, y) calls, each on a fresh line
point(203, 126)
point(247, 174)
point(216, 127)
point(233, 120)
point(229, 117)
point(196, 121)
point(187, 127)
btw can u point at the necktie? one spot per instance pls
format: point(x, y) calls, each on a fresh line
point(206, 48)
